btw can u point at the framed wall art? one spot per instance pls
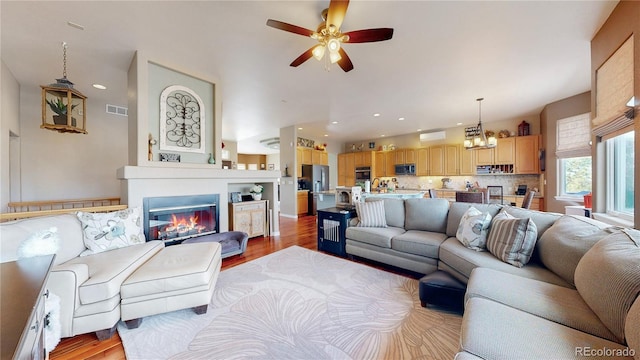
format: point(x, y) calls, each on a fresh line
point(182, 120)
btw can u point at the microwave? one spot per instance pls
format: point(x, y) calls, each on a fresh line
point(406, 169)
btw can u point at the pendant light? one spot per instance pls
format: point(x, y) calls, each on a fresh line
point(64, 108)
point(475, 138)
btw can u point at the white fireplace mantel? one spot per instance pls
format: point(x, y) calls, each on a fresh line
point(139, 182)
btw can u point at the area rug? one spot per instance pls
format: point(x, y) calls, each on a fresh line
point(301, 304)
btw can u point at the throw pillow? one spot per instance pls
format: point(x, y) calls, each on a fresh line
point(512, 240)
point(371, 214)
point(44, 242)
point(108, 231)
point(473, 229)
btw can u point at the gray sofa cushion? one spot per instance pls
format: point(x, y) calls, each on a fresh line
point(424, 243)
point(463, 260)
point(492, 330)
point(457, 209)
point(393, 210)
point(608, 278)
point(426, 214)
point(562, 246)
point(631, 332)
point(374, 236)
point(552, 302)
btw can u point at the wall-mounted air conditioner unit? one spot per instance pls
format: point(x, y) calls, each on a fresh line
point(434, 135)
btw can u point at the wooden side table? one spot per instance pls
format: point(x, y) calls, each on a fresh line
point(332, 225)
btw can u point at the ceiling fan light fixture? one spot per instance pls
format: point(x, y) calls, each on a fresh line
point(334, 56)
point(333, 45)
point(318, 52)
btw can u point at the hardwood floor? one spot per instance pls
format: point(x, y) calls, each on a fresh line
point(301, 232)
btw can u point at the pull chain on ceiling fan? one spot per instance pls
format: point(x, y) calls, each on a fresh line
point(330, 38)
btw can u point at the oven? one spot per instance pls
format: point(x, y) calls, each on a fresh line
point(347, 196)
point(363, 174)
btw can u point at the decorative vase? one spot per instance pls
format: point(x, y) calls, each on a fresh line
point(211, 159)
point(257, 196)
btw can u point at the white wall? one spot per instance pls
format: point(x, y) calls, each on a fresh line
point(9, 123)
point(70, 166)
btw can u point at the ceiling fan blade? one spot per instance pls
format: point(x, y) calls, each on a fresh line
point(302, 58)
point(337, 11)
point(369, 35)
point(288, 27)
point(345, 63)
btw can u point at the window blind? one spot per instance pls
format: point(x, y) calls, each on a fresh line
point(573, 138)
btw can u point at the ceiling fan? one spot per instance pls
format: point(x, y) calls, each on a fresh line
point(330, 37)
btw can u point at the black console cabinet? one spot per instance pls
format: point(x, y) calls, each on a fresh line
point(332, 224)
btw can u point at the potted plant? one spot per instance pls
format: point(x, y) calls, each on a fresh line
point(60, 108)
point(256, 192)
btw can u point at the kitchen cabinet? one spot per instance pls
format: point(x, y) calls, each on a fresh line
point(363, 159)
point(303, 202)
point(437, 160)
point(452, 161)
point(319, 157)
point(526, 155)
point(505, 150)
point(467, 162)
point(384, 164)
point(299, 161)
point(404, 156)
point(536, 204)
point(249, 217)
point(346, 169)
point(306, 156)
point(484, 156)
point(422, 162)
point(324, 158)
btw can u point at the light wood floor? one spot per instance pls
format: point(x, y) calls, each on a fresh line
point(301, 232)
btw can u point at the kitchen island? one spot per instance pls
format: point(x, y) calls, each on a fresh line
point(398, 194)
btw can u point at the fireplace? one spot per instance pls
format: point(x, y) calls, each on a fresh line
point(174, 219)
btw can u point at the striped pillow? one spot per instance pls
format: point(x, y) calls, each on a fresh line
point(371, 214)
point(512, 240)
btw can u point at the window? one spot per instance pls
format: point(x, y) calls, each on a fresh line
point(620, 175)
point(573, 150)
point(574, 176)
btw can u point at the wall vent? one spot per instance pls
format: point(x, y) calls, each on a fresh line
point(117, 110)
point(431, 136)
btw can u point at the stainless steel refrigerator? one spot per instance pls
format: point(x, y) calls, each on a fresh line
point(317, 179)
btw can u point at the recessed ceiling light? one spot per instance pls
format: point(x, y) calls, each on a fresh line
point(401, 118)
point(382, 135)
point(98, 86)
point(459, 124)
point(419, 130)
point(334, 122)
point(376, 114)
point(299, 128)
point(326, 135)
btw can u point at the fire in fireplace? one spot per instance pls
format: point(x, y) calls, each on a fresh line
point(177, 218)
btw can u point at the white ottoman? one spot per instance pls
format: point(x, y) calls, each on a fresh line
point(178, 277)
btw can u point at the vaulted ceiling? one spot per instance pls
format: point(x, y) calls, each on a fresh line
point(518, 55)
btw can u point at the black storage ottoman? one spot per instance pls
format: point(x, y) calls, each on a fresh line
point(442, 290)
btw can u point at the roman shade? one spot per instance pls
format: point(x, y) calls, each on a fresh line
point(574, 136)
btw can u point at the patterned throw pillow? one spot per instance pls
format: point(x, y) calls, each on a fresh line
point(473, 229)
point(512, 240)
point(371, 214)
point(108, 231)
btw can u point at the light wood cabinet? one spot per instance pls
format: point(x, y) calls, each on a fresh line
point(484, 156)
point(467, 162)
point(324, 158)
point(505, 150)
point(385, 164)
point(307, 158)
point(249, 217)
point(299, 161)
point(303, 202)
point(452, 161)
point(526, 154)
point(404, 156)
point(536, 204)
point(422, 162)
point(363, 158)
point(346, 169)
point(437, 160)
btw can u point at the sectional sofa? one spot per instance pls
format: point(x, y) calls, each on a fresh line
point(575, 296)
